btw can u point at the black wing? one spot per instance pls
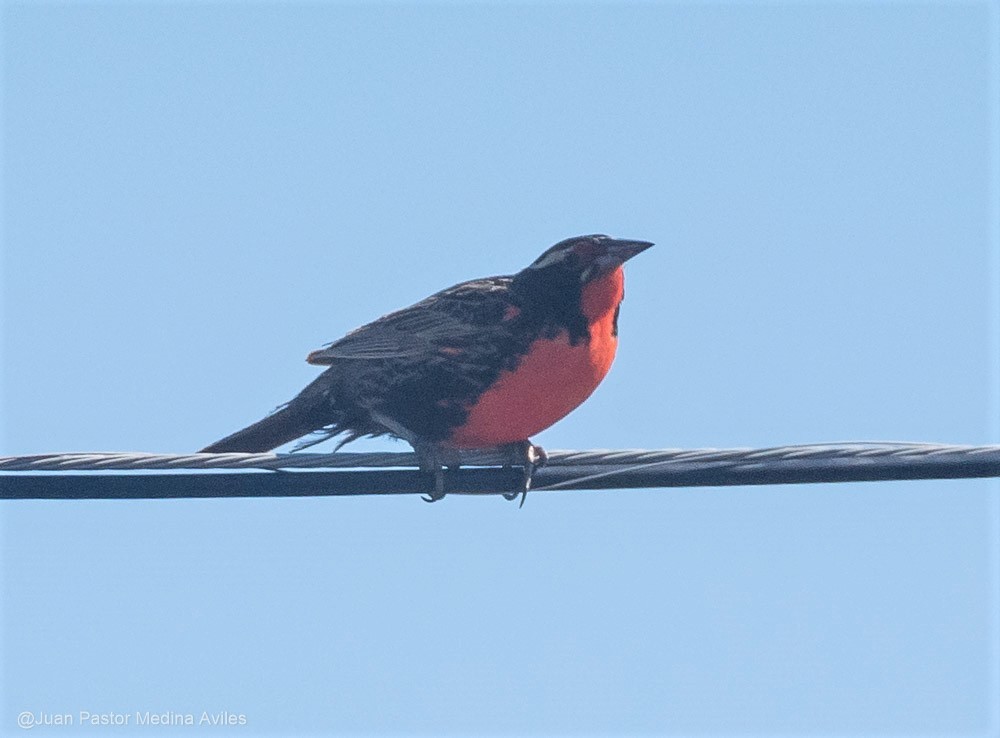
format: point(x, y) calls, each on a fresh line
point(453, 316)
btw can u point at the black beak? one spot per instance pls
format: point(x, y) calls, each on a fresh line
point(622, 249)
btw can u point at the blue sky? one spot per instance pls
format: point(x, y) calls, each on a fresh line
point(197, 195)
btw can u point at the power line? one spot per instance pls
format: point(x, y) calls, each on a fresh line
point(149, 476)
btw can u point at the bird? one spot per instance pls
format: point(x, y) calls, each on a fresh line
point(485, 364)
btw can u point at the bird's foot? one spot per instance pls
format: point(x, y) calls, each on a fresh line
point(438, 493)
point(530, 457)
point(433, 460)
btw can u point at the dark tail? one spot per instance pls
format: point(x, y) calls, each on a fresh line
point(283, 425)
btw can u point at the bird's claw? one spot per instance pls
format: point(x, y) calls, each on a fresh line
point(438, 493)
point(525, 454)
point(531, 457)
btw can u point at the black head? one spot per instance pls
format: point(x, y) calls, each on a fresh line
point(586, 257)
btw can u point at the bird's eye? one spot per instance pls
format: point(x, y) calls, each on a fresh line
point(588, 250)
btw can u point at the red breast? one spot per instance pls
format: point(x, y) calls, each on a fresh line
point(552, 378)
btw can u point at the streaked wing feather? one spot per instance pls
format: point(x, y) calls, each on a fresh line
point(373, 341)
point(418, 329)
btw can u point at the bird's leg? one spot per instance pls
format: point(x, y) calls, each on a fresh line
point(430, 462)
point(528, 456)
point(433, 460)
point(432, 457)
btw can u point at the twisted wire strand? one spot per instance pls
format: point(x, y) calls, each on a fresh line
point(136, 461)
point(154, 476)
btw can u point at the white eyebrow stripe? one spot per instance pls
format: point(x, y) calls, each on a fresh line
point(552, 258)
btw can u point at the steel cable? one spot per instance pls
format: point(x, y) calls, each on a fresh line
point(107, 475)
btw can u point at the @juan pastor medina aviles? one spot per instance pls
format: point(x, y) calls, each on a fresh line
point(137, 717)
